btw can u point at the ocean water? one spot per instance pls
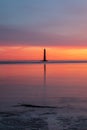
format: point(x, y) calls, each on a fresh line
point(62, 88)
point(43, 84)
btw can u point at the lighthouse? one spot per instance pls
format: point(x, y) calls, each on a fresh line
point(44, 56)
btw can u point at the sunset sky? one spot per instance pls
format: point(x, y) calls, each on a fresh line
point(28, 26)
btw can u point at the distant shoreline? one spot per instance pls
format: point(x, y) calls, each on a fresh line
point(42, 62)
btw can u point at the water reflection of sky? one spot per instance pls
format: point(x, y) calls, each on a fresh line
point(43, 83)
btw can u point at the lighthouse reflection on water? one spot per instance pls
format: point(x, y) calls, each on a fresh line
point(44, 84)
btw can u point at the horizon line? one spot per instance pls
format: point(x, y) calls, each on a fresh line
point(40, 61)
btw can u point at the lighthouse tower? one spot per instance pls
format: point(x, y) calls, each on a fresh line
point(44, 56)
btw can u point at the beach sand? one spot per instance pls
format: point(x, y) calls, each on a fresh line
point(34, 118)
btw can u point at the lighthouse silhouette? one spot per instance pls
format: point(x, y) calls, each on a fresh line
point(44, 55)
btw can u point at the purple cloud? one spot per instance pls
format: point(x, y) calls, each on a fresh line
point(17, 36)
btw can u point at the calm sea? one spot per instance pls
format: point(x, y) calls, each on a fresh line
point(43, 84)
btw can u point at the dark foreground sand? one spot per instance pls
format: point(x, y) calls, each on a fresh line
point(36, 118)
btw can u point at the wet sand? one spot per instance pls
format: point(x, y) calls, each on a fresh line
point(34, 118)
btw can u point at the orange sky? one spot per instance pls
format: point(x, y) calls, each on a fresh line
point(59, 26)
point(36, 53)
